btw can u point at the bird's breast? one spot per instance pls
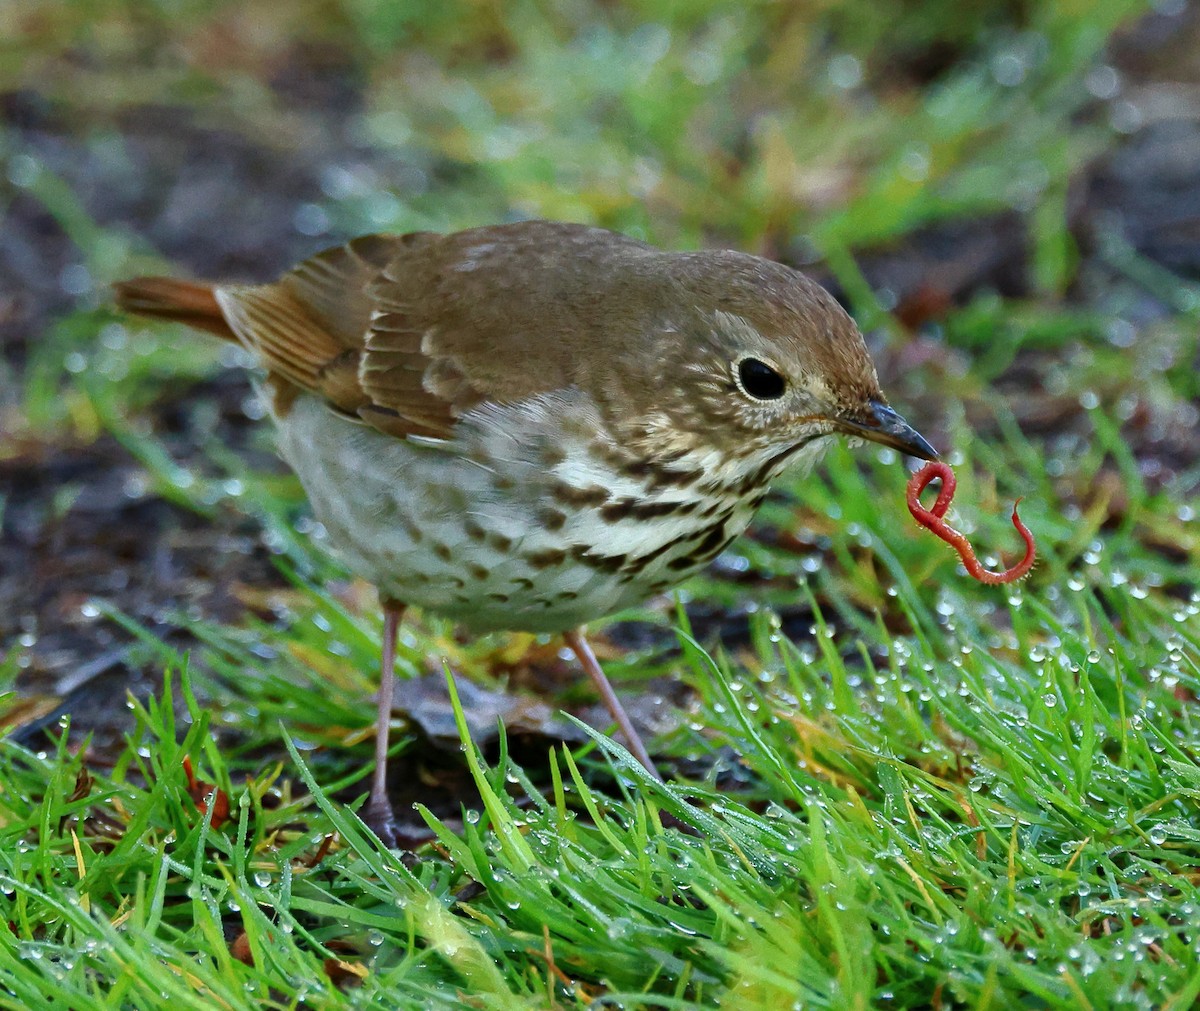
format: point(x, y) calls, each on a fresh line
point(531, 518)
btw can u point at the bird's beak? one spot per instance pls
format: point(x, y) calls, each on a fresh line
point(883, 425)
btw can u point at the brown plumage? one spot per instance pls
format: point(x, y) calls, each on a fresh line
point(189, 302)
point(411, 331)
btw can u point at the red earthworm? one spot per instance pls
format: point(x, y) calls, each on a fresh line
point(203, 794)
point(932, 519)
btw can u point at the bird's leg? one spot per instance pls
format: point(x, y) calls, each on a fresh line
point(583, 652)
point(378, 812)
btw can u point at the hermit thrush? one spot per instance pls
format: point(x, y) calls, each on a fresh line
point(530, 426)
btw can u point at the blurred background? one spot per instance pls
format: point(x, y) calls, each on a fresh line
point(1003, 193)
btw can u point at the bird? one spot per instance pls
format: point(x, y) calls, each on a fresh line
point(528, 426)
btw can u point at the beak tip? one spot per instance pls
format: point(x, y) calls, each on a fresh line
point(922, 450)
point(888, 428)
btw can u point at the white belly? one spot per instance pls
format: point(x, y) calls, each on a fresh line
point(495, 529)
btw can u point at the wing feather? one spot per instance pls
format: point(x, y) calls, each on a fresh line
point(409, 332)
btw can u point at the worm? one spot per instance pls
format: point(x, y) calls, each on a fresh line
point(203, 794)
point(932, 519)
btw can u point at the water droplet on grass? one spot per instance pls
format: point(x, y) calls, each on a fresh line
point(845, 71)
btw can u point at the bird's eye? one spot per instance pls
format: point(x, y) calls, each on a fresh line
point(759, 381)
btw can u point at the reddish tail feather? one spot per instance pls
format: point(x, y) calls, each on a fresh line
point(188, 302)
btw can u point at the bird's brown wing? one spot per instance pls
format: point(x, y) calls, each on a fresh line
point(308, 327)
point(408, 332)
point(498, 313)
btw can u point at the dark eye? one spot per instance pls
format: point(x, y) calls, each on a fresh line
point(759, 380)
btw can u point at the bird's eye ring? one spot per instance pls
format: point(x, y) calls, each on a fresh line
point(758, 380)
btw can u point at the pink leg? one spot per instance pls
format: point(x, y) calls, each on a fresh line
point(378, 812)
point(579, 646)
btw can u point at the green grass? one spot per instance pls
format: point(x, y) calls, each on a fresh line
point(992, 816)
point(914, 791)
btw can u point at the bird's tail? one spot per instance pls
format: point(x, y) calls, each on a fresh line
point(190, 302)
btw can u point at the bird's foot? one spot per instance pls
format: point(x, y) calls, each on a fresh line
point(381, 820)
